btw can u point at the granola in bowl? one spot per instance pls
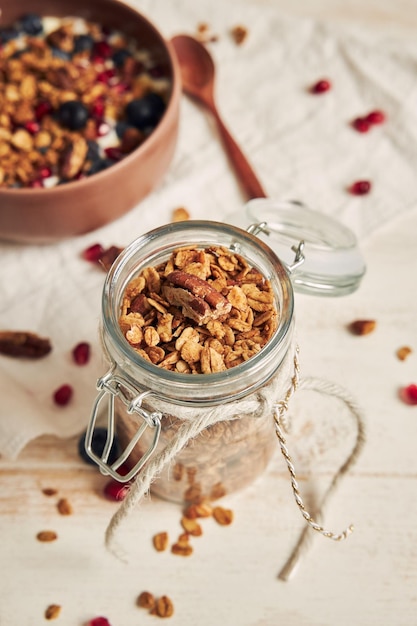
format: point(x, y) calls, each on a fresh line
point(75, 98)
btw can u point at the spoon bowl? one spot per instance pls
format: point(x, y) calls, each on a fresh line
point(197, 70)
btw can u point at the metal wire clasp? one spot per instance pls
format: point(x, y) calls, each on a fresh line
point(112, 385)
point(262, 227)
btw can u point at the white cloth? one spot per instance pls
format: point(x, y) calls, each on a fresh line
point(302, 147)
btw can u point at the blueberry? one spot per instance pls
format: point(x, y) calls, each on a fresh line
point(60, 54)
point(145, 113)
point(7, 34)
point(93, 152)
point(83, 43)
point(97, 444)
point(120, 56)
point(31, 23)
point(99, 166)
point(73, 114)
point(121, 128)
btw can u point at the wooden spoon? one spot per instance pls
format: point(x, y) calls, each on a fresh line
point(197, 74)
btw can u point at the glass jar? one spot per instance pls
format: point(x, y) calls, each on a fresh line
point(198, 436)
point(145, 400)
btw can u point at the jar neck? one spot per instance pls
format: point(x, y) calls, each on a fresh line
point(196, 389)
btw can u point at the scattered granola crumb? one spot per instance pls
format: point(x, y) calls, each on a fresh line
point(160, 541)
point(52, 611)
point(224, 517)
point(46, 536)
point(362, 327)
point(146, 600)
point(180, 214)
point(64, 507)
point(239, 34)
point(204, 34)
point(403, 352)
point(164, 607)
point(49, 491)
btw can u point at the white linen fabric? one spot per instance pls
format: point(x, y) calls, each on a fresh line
point(301, 145)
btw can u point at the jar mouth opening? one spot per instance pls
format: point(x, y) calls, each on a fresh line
point(156, 246)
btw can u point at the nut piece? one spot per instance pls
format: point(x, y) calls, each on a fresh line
point(164, 607)
point(362, 327)
point(146, 600)
point(160, 541)
point(239, 34)
point(64, 507)
point(403, 352)
point(191, 526)
point(180, 214)
point(24, 344)
point(224, 517)
point(46, 536)
point(52, 611)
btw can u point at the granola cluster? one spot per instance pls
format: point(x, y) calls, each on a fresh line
point(202, 311)
point(75, 98)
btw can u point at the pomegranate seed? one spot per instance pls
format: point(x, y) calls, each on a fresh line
point(45, 172)
point(409, 394)
point(114, 490)
point(63, 395)
point(102, 129)
point(104, 77)
point(121, 88)
point(115, 154)
point(36, 184)
point(360, 188)
point(32, 127)
point(361, 124)
point(97, 60)
point(97, 110)
point(93, 253)
point(81, 353)
point(376, 117)
point(42, 109)
point(99, 621)
point(102, 49)
point(321, 86)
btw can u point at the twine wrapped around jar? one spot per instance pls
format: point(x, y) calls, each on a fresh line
point(270, 400)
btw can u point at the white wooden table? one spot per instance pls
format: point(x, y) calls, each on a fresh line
point(370, 579)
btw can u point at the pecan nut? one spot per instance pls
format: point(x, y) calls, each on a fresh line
point(200, 301)
point(24, 344)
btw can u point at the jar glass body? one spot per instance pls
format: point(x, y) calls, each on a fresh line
point(229, 453)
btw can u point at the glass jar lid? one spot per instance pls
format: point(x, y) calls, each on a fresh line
point(332, 264)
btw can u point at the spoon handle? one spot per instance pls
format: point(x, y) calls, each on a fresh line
point(243, 169)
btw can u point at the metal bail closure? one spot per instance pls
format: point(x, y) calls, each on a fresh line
point(110, 386)
point(327, 261)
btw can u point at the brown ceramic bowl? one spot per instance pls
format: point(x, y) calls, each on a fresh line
point(46, 215)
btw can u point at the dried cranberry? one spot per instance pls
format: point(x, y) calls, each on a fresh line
point(360, 188)
point(63, 395)
point(99, 621)
point(376, 117)
point(361, 124)
point(81, 353)
point(409, 394)
point(114, 490)
point(32, 127)
point(321, 86)
point(93, 253)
